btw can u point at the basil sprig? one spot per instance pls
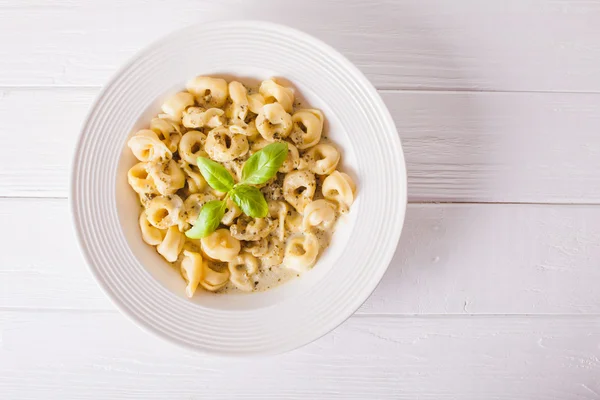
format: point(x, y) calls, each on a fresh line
point(215, 174)
point(258, 169)
point(208, 220)
point(263, 165)
point(250, 200)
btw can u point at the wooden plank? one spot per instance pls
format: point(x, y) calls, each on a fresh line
point(452, 259)
point(493, 259)
point(499, 147)
point(40, 265)
point(65, 355)
point(38, 133)
point(459, 146)
point(517, 45)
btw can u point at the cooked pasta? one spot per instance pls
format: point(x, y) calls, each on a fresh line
point(318, 214)
point(194, 179)
point(175, 105)
point(322, 159)
point(192, 271)
point(214, 278)
point(140, 180)
point(339, 188)
point(221, 245)
point(168, 131)
point(272, 92)
point(172, 244)
point(147, 147)
point(198, 117)
point(209, 92)
point(192, 146)
point(273, 122)
point(307, 128)
point(194, 203)
point(150, 234)
point(299, 189)
point(228, 122)
point(224, 145)
point(168, 178)
point(301, 252)
point(163, 212)
point(241, 270)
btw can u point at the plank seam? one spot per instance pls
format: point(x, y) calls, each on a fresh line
point(407, 89)
point(424, 203)
point(356, 315)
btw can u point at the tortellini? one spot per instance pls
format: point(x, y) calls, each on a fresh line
point(301, 252)
point(274, 253)
point(278, 211)
point(194, 203)
point(167, 131)
point(241, 270)
point(150, 234)
point(322, 159)
point(192, 270)
point(172, 244)
point(192, 146)
point(224, 145)
point(213, 279)
point(209, 92)
point(273, 122)
point(339, 188)
point(256, 102)
point(168, 178)
point(228, 122)
point(239, 97)
point(248, 228)
point(220, 245)
point(273, 92)
point(299, 188)
point(146, 146)
point(307, 129)
point(140, 180)
point(164, 211)
point(270, 251)
point(232, 211)
point(195, 180)
point(319, 214)
point(292, 161)
point(256, 247)
point(293, 221)
point(175, 105)
point(198, 117)
point(246, 129)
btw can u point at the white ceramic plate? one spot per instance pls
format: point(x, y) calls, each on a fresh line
point(105, 209)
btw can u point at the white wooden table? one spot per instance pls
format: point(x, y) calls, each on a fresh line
point(493, 292)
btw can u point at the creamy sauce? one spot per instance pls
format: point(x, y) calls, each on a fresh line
point(270, 277)
point(285, 243)
point(273, 276)
point(267, 278)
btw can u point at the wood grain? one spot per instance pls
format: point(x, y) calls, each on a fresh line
point(517, 45)
point(66, 355)
point(481, 301)
point(459, 146)
point(452, 259)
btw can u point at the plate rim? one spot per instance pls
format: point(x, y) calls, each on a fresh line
point(238, 23)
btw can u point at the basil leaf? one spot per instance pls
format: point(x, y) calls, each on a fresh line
point(250, 200)
point(208, 220)
point(215, 174)
point(263, 164)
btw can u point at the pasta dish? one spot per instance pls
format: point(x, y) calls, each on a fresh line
point(239, 187)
